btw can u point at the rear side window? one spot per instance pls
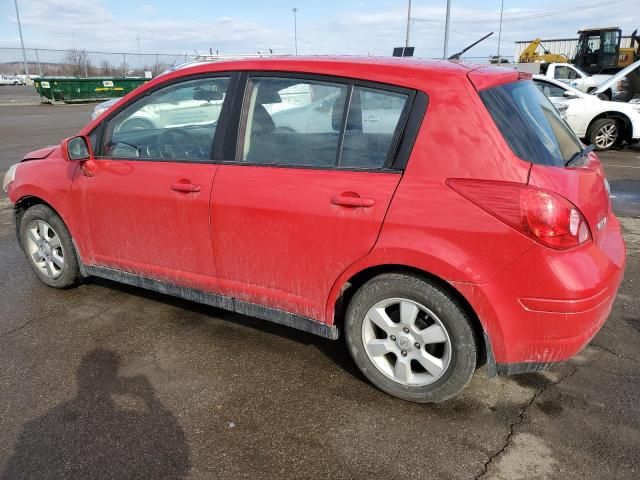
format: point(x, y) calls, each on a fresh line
point(374, 117)
point(292, 122)
point(296, 122)
point(530, 124)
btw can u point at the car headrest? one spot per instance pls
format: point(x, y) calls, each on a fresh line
point(354, 119)
point(262, 121)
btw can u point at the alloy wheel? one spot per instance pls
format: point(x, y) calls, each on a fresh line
point(607, 136)
point(45, 248)
point(406, 342)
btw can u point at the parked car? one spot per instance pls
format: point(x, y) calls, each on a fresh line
point(102, 107)
point(623, 87)
point(599, 122)
point(430, 243)
point(10, 80)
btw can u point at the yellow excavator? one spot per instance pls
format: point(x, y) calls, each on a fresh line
point(531, 55)
point(598, 50)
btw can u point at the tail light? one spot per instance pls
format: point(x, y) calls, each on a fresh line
point(547, 217)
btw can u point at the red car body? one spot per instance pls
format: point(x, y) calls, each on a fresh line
point(250, 235)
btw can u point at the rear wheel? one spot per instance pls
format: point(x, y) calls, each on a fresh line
point(605, 133)
point(48, 246)
point(410, 338)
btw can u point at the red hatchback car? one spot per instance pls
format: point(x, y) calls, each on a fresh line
point(439, 215)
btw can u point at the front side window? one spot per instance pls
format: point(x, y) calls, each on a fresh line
point(610, 41)
point(177, 122)
point(593, 44)
point(530, 124)
point(296, 122)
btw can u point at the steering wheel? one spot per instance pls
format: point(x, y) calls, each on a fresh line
point(171, 146)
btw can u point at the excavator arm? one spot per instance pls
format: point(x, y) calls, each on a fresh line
point(530, 54)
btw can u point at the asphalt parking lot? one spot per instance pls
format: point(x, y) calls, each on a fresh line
point(110, 381)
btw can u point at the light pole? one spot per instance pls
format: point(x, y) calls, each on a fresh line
point(406, 41)
point(500, 30)
point(24, 54)
point(446, 30)
point(295, 29)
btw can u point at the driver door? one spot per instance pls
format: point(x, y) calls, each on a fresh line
point(143, 203)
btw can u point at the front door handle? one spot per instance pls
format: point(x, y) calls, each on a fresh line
point(186, 187)
point(349, 199)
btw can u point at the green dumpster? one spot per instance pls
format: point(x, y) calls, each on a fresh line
point(72, 89)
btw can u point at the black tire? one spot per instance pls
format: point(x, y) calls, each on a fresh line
point(70, 275)
point(598, 125)
point(458, 326)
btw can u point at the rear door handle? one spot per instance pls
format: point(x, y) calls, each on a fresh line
point(186, 187)
point(352, 201)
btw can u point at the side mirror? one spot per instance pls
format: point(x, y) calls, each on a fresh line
point(77, 148)
point(569, 94)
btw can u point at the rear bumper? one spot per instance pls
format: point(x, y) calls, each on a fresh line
point(548, 305)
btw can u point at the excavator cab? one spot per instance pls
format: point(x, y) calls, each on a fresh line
point(598, 49)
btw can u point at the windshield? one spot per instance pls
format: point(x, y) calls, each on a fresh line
point(530, 124)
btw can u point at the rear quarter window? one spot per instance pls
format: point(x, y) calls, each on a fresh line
point(530, 124)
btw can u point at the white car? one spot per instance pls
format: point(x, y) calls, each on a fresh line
point(178, 108)
point(379, 114)
point(100, 108)
point(604, 124)
point(6, 80)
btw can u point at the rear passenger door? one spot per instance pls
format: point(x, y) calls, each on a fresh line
point(306, 188)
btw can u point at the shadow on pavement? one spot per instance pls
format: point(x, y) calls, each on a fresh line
point(336, 351)
point(115, 427)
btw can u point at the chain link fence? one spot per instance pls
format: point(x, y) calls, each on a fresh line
point(85, 63)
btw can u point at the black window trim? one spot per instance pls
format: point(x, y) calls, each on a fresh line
point(217, 147)
point(402, 143)
point(224, 149)
point(346, 108)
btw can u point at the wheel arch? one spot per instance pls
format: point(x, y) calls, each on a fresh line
point(338, 305)
point(22, 205)
point(621, 117)
point(27, 201)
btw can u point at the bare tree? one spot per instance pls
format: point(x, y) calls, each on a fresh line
point(77, 62)
point(106, 68)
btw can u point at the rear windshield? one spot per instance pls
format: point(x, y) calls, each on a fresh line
point(530, 124)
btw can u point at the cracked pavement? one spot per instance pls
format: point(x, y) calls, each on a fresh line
point(110, 381)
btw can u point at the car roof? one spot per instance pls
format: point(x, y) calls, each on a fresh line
point(400, 71)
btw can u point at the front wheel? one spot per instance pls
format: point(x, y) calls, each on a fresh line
point(605, 133)
point(411, 338)
point(48, 246)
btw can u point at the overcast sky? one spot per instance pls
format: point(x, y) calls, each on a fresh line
point(324, 26)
